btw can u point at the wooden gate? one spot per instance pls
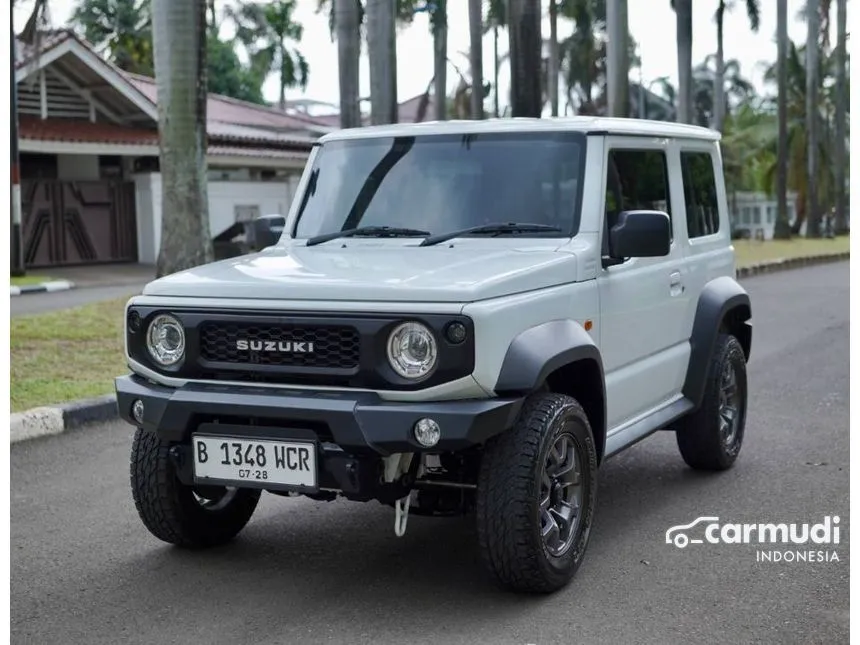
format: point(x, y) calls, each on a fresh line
point(78, 222)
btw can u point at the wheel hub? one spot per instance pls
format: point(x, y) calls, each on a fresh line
point(561, 495)
point(556, 492)
point(729, 405)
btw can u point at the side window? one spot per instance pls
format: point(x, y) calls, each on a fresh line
point(700, 194)
point(636, 180)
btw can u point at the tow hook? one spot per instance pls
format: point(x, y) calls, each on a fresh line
point(401, 515)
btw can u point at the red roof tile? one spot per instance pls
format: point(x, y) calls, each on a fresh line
point(230, 110)
point(76, 131)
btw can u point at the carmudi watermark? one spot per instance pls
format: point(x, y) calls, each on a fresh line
point(774, 542)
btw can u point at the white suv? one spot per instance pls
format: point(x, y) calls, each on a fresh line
point(462, 316)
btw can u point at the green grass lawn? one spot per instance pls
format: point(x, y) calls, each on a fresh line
point(66, 355)
point(752, 252)
point(24, 280)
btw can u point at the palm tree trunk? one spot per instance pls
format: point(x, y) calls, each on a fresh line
point(496, 71)
point(179, 44)
point(615, 44)
point(382, 56)
point(440, 60)
point(841, 225)
point(524, 36)
point(552, 73)
point(720, 78)
point(476, 58)
point(684, 21)
point(282, 82)
point(782, 227)
point(346, 20)
point(812, 26)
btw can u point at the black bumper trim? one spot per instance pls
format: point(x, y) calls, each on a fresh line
point(354, 420)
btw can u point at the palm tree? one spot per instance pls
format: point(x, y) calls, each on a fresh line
point(841, 95)
point(347, 19)
point(121, 28)
point(684, 21)
point(582, 53)
point(584, 57)
point(382, 55)
point(553, 63)
point(524, 37)
point(476, 58)
point(753, 13)
point(179, 43)
point(496, 18)
point(617, 66)
point(439, 26)
point(799, 146)
point(267, 30)
point(812, 81)
point(706, 89)
point(782, 228)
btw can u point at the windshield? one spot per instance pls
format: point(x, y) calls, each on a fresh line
point(441, 183)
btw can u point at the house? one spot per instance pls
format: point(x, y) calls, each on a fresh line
point(753, 214)
point(88, 145)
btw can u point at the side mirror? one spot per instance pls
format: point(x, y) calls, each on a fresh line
point(640, 234)
point(267, 230)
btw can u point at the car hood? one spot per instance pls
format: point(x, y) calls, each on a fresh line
point(371, 272)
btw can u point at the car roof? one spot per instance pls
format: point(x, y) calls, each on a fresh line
point(585, 124)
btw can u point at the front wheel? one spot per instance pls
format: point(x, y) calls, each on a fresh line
point(186, 516)
point(537, 491)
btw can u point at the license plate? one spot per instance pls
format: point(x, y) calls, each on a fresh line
point(259, 461)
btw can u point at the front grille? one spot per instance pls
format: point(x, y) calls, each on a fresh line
point(334, 347)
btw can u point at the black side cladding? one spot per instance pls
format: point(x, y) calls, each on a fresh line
point(559, 353)
point(723, 305)
point(538, 351)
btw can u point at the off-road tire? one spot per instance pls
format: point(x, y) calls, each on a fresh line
point(509, 487)
point(169, 509)
point(698, 434)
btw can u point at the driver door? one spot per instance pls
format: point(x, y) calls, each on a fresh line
point(643, 301)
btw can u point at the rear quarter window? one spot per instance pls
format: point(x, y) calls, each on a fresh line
point(700, 194)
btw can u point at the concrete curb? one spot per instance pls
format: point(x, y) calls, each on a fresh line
point(42, 287)
point(56, 419)
point(782, 264)
point(52, 420)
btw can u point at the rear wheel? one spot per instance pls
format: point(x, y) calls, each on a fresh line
point(712, 436)
point(536, 496)
point(187, 516)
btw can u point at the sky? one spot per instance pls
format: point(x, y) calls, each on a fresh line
point(652, 23)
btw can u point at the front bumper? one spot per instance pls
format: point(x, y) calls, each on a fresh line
point(354, 421)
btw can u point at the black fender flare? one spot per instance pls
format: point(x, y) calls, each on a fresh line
point(722, 299)
point(538, 351)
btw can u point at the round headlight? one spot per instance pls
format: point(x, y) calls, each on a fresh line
point(166, 340)
point(412, 350)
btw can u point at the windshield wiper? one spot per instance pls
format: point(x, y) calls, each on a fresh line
point(373, 231)
point(510, 227)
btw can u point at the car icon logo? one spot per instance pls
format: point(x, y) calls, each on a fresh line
point(680, 539)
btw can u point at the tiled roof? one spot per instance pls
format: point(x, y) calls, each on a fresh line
point(75, 131)
point(407, 112)
point(229, 110)
point(31, 127)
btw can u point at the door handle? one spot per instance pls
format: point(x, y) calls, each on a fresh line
point(676, 286)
